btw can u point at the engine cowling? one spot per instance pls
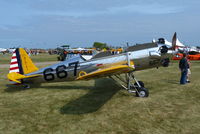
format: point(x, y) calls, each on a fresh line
point(164, 49)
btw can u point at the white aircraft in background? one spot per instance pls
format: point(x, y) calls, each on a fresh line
point(180, 46)
point(3, 50)
point(165, 41)
point(9, 50)
point(71, 52)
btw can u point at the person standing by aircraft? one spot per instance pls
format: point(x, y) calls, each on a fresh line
point(189, 71)
point(183, 65)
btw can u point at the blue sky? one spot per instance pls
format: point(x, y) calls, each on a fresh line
point(51, 23)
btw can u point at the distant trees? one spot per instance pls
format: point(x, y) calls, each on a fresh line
point(99, 45)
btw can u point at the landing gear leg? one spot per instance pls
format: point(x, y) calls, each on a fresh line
point(137, 88)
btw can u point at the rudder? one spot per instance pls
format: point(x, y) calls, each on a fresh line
point(26, 63)
point(20, 65)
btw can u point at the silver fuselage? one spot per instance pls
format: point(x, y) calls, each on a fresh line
point(70, 69)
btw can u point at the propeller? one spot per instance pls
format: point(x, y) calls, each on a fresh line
point(164, 49)
point(174, 42)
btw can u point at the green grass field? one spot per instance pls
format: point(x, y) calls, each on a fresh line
point(99, 106)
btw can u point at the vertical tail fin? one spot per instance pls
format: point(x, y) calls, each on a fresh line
point(20, 64)
point(26, 63)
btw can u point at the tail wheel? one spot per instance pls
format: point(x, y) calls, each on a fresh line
point(142, 92)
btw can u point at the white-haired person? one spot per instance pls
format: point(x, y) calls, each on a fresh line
point(189, 71)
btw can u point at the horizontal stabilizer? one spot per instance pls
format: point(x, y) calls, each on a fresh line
point(106, 72)
point(13, 76)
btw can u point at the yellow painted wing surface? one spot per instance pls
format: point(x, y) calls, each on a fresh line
point(106, 72)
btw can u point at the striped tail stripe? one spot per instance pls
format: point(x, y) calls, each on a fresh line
point(14, 57)
point(14, 67)
point(12, 63)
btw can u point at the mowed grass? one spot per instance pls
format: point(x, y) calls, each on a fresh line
point(101, 106)
point(5, 59)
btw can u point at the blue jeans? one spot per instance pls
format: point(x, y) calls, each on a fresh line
point(183, 79)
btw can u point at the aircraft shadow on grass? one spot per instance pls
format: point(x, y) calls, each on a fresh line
point(68, 87)
point(60, 87)
point(14, 88)
point(102, 91)
point(98, 95)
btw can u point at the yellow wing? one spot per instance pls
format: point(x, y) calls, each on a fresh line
point(106, 72)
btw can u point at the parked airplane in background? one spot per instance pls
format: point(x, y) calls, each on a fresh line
point(85, 53)
point(11, 50)
point(166, 42)
point(139, 57)
point(3, 50)
point(193, 52)
point(179, 56)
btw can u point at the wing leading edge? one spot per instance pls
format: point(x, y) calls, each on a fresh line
point(106, 72)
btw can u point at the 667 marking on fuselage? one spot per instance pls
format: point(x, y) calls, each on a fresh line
point(61, 71)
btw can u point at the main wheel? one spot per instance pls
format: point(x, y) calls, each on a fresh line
point(140, 82)
point(142, 92)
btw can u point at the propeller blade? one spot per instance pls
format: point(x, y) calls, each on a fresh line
point(174, 41)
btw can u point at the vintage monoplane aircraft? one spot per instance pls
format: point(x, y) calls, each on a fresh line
point(139, 57)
